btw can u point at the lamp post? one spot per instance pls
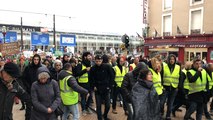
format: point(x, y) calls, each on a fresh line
point(4, 31)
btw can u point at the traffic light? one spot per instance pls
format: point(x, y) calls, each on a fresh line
point(125, 40)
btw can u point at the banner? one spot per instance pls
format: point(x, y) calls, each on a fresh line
point(9, 37)
point(8, 49)
point(39, 38)
point(67, 40)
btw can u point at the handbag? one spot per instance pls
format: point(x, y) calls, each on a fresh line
point(59, 111)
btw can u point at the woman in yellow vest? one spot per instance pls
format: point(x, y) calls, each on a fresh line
point(120, 72)
point(155, 67)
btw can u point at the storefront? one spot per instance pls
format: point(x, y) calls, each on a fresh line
point(184, 47)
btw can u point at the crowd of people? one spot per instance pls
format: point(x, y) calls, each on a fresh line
point(143, 86)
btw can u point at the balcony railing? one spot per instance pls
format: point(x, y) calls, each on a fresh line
point(195, 31)
point(166, 33)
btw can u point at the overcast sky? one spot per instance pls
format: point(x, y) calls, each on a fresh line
point(96, 16)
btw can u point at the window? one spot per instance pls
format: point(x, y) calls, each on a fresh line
point(196, 2)
point(167, 25)
point(167, 4)
point(196, 21)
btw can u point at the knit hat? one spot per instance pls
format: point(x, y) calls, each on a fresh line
point(12, 69)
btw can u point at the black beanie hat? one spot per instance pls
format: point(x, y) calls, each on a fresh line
point(12, 69)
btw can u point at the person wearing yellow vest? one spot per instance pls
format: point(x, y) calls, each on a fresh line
point(197, 77)
point(69, 90)
point(120, 72)
point(171, 74)
point(82, 72)
point(182, 95)
point(210, 73)
point(208, 92)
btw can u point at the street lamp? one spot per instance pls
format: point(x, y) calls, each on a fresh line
point(4, 31)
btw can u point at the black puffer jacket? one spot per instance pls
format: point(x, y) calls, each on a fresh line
point(145, 101)
point(7, 99)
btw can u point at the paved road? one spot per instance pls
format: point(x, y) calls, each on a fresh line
point(19, 115)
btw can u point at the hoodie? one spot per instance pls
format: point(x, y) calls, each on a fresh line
point(29, 75)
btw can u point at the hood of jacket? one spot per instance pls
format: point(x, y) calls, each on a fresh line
point(39, 63)
point(62, 74)
point(43, 69)
point(138, 68)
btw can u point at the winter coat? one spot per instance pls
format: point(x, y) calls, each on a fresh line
point(130, 79)
point(44, 96)
point(7, 99)
point(145, 101)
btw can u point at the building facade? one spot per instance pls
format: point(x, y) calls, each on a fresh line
point(84, 41)
point(181, 27)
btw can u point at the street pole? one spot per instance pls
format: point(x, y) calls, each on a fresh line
point(54, 41)
point(22, 43)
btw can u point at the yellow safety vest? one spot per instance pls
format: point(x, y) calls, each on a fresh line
point(199, 85)
point(186, 81)
point(171, 79)
point(84, 77)
point(118, 75)
point(156, 78)
point(68, 96)
point(210, 80)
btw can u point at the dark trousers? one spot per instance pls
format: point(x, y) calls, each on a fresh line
point(170, 96)
point(99, 98)
point(116, 92)
point(85, 103)
point(195, 106)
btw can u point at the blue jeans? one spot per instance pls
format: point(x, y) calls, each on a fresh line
point(195, 106)
point(170, 96)
point(73, 109)
point(85, 103)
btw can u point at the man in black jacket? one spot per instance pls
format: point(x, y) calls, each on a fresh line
point(129, 81)
point(29, 76)
point(9, 88)
point(101, 77)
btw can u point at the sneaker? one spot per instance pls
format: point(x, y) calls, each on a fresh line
point(121, 103)
point(89, 111)
point(22, 108)
point(114, 111)
point(84, 112)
